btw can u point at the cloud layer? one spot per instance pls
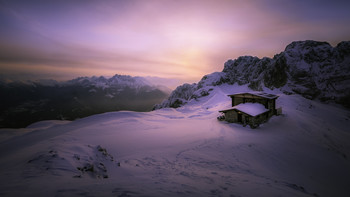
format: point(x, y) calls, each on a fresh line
point(171, 39)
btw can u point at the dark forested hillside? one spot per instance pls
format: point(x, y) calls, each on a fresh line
point(24, 103)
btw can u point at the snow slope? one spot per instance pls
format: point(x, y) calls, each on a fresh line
point(183, 152)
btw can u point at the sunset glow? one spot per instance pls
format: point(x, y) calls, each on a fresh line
point(182, 40)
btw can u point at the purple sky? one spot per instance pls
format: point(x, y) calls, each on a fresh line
point(180, 39)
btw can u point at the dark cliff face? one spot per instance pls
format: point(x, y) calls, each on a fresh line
point(317, 70)
point(310, 68)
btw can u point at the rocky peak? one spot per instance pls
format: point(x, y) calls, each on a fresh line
point(240, 63)
point(343, 49)
point(310, 68)
point(306, 45)
point(309, 51)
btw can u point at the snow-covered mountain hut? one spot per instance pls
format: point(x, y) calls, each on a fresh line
point(251, 108)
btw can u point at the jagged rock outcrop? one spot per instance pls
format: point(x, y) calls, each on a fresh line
point(179, 96)
point(310, 68)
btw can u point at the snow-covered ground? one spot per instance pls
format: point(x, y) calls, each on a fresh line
point(183, 152)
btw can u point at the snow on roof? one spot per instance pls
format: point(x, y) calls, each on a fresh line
point(252, 109)
point(261, 94)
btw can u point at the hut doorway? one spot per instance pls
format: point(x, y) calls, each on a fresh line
point(239, 117)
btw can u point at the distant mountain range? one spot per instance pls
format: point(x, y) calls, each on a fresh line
point(22, 103)
point(313, 69)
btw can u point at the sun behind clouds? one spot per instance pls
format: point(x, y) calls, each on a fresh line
point(170, 39)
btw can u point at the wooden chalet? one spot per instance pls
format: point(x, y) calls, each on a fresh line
point(252, 108)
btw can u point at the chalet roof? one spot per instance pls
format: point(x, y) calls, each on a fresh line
point(260, 94)
point(252, 109)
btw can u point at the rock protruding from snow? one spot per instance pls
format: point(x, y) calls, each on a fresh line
point(179, 96)
point(316, 70)
point(186, 92)
point(82, 161)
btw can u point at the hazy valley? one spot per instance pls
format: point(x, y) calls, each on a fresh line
point(23, 103)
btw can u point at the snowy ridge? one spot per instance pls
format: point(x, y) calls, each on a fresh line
point(103, 82)
point(312, 69)
point(121, 81)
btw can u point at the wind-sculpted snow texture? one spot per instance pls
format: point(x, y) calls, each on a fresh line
point(313, 69)
point(183, 152)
